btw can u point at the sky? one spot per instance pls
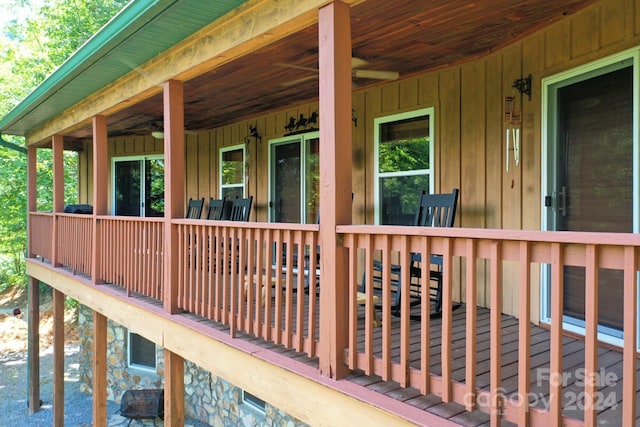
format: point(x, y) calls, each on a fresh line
point(9, 11)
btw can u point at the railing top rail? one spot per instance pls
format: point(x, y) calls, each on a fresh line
point(40, 213)
point(246, 224)
point(565, 237)
point(74, 215)
point(130, 218)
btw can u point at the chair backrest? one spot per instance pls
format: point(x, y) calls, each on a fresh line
point(194, 208)
point(216, 209)
point(241, 209)
point(437, 210)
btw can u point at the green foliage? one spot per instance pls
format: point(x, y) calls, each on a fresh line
point(70, 303)
point(404, 155)
point(32, 46)
point(11, 272)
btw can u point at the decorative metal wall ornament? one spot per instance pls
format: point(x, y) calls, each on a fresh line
point(523, 85)
point(253, 132)
point(302, 124)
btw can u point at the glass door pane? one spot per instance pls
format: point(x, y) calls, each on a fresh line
point(312, 181)
point(127, 187)
point(285, 203)
point(154, 188)
point(594, 148)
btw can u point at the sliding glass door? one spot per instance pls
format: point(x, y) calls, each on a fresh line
point(590, 175)
point(294, 176)
point(138, 184)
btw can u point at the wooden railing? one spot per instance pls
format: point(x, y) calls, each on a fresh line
point(258, 278)
point(495, 248)
point(131, 253)
point(75, 241)
point(262, 279)
point(41, 234)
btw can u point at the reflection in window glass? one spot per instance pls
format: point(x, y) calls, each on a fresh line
point(401, 195)
point(403, 165)
point(404, 145)
point(154, 188)
point(312, 180)
point(232, 167)
point(295, 178)
point(232, 172)
point(142, 352)
point(138, 186)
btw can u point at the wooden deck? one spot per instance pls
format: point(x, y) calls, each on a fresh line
point(609, 379)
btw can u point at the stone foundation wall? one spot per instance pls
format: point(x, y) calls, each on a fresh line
point(208, 398)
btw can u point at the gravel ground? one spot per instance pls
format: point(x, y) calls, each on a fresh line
point(78, 405)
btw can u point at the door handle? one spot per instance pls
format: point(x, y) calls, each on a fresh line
point(562, 201)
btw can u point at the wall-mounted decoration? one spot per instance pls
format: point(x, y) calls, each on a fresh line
point(253, 133)
point(523, 85)
point(512, 121)
point(302, 124)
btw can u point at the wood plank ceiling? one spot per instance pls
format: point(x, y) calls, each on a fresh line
point(405, 36)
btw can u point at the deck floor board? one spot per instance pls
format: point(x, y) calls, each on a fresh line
point(609, 363)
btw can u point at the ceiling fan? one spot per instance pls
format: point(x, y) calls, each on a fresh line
point(153, 126)
point(356, 71)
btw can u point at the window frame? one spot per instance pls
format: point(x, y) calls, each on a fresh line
point(242, 185)
point(254, 401)
point(303, 140)
point(377, 123)
point(143, 195)
point(130, 346)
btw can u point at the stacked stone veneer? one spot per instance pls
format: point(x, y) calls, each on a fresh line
point(208, 398)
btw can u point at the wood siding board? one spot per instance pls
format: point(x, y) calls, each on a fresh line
point(391, 97)
point(191, 158)
point(408, 93)
point(557, 45)
point(494, 144)
point(140, 144)
point(428, 95)
point(448, 143)
point(616, 20)
point(473, 137)
point(530, 144)
point(205, 170)
point(585, 33)
point(373, 109)
point(634, 12)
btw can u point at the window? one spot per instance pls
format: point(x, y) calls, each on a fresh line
point(253, 401)
point(142, 352)
point(138, 184)
point(403, 164)
point(232, 172)
point(295, 174)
